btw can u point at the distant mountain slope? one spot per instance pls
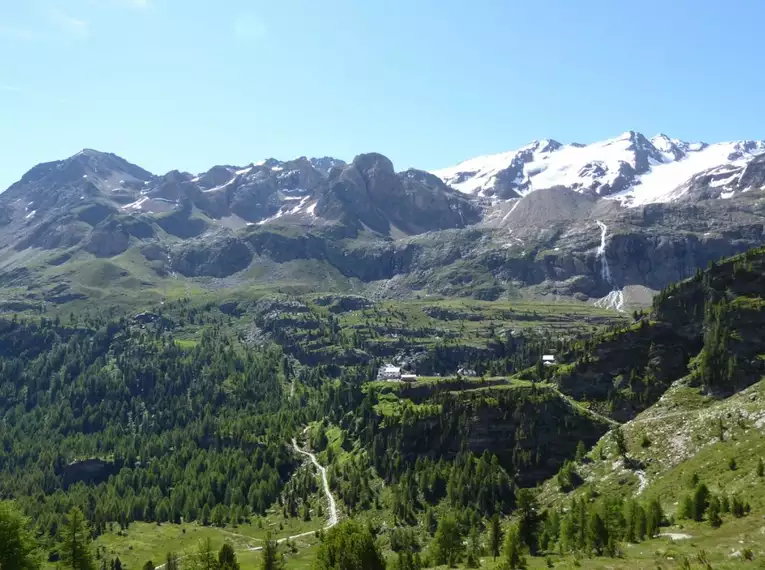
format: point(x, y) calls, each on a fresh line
point(707, 328)
point(630, 168)
point(327, 225)
point(687, 385)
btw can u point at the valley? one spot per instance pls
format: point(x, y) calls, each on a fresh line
point(190, 364)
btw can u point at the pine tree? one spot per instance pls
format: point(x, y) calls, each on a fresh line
point(760, 467)
point(495, 536)
point(621, 443)
point(540, 369)
point(686, 507)
point(408, 560)
point(700, 501)
point(75, 546)
point(528, 518)
point(513, 549)
point(272, 558)
point(430, 521)
point(17, 546)
point(473, 558)
point(204, 558)
point(737, 508)
point(630, 530)
point(580, 451)
point(713, 512)
point(654, 518)
point(349, 546)
point(597, 533)
point(551, 530)
point(218, 516)
point(447, 543)
point(227, 558)
point(149, 565)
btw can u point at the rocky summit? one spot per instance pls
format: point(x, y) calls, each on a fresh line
point(608, 223)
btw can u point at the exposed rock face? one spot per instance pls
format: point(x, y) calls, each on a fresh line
point(108, 239)
point(753, 175)
point(369, 194)
point(406, 233)
point(648, 356)
point(494, 421)
point(217, 259)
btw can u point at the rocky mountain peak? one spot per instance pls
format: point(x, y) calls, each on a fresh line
point(629, 167)
point(671, 149)
point(373, 161)
point(326, 164)
point(216, 176)
point(71, 182)
point(424, 177)
point(105, 163)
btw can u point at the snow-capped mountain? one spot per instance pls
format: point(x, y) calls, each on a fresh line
point(629, 168)
point(322, 222)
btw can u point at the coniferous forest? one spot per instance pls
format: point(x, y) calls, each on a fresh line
point(190, 420)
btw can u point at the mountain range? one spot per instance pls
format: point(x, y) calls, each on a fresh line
point(609, 222)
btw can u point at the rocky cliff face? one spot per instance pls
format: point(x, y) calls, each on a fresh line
point(394, 233)
point(631, 368)
point(513, 424)
point(369, 194)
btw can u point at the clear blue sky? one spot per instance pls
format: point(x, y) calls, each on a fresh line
point(191, 83)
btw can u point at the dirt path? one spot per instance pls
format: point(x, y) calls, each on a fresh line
point(573, 404)
point(643, 481)
point(658, 417)
point(333, 516)
point(676, 535)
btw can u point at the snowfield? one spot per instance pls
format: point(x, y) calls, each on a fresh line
point(629, 168)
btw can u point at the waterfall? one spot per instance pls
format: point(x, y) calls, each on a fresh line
point(615, 299)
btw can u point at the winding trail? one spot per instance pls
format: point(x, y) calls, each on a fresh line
point(333, 516)
point(643, 481)
point(574, 405)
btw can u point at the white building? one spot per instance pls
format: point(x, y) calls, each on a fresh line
point(548, 359)
point(409, 377)
point(389, 372)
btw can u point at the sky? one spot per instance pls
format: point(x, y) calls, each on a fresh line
point(187, 84)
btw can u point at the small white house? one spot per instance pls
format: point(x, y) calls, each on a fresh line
point(409, 377)
point(389, 372)
point(467, 372)
point(548, 359)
